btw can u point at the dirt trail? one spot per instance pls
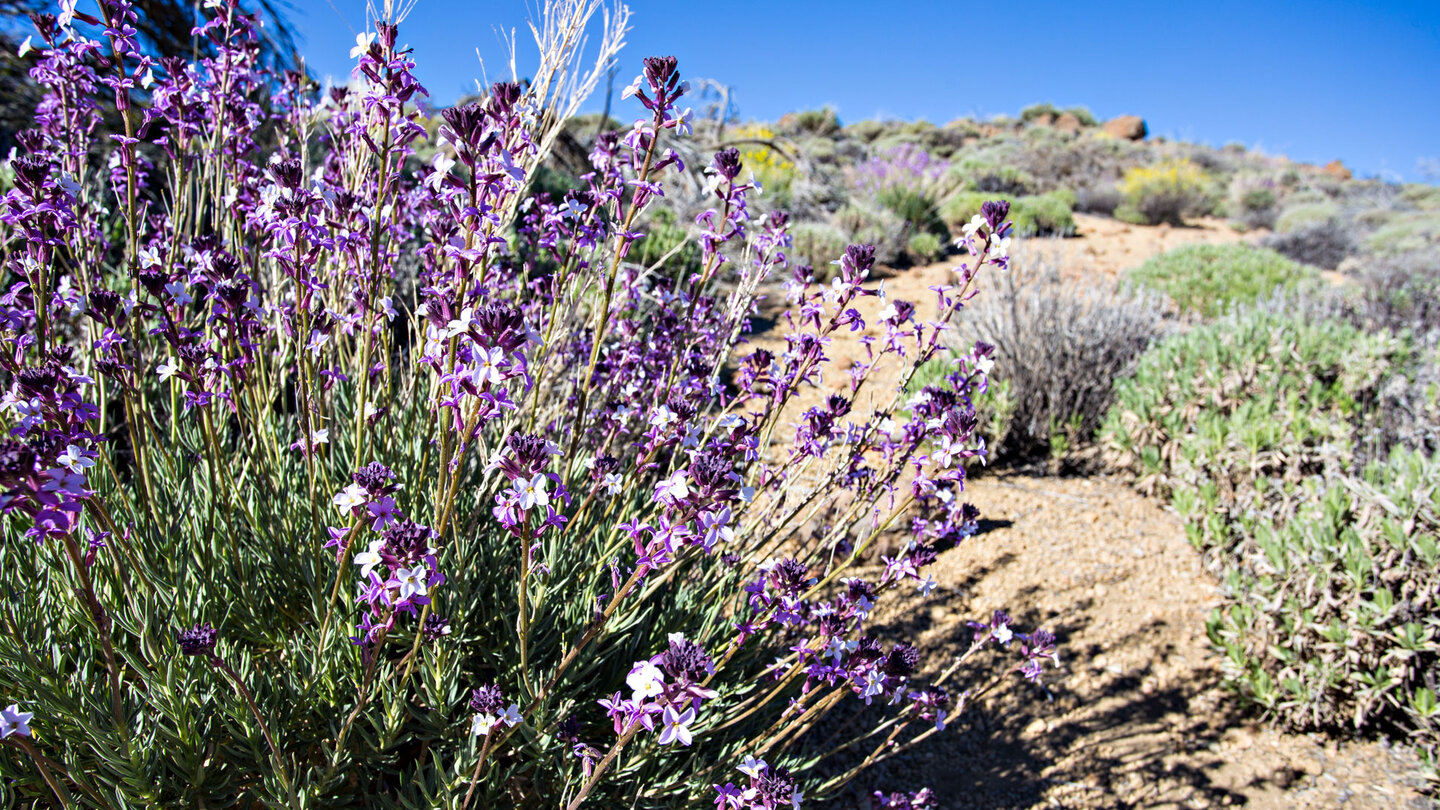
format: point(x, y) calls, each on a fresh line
point(1135, 716)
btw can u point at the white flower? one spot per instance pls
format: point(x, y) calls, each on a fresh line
point(531, 493)
point(676, 726)
point(412, 581)
point(633, 88)
point(442, 165)
point(673, 488)
point(177, 291)
point(752, 767)
point(25, 47)
point(613, 483)
point(481, 724)
point(645, 681)
point(1002, 634)
point(369, 558)
point(511, 715)
point(362, 44)
point(350, 497)
point(984, 364)
point(14, 721)
point(487, 366)
point(319, 437)
point(75, 460)
point(663, 417)
point(926, 586)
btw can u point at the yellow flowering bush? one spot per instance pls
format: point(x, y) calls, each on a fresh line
point(1164, 192)
point(771, 167)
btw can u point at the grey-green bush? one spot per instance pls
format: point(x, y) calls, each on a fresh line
point(1207, 279)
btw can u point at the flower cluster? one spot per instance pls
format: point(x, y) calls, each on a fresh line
point(239, 308)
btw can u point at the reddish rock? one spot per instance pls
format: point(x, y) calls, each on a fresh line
point(1129, 127)
point(1337, 170)
point(1068, 122)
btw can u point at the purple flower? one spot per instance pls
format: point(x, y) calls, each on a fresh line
point(198, 640)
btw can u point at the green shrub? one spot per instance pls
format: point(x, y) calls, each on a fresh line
point(823, 121)
point(925, 247)
point(817, 244)
point(916, 208)
point(1037, 215)
point(1209, 278)
point(866, 131)
point(862, 224)
point(1251, 201)
point(1034, 111)
point(1087, 118)
point(1409, 232)
point(1305, 215)
point(1329, 579)
point(1422, 196)
point(1242, 408)
point(1332, 621)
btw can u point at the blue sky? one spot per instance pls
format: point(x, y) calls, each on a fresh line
point(1312, 80)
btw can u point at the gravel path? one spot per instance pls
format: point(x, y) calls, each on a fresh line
point(1135, 716)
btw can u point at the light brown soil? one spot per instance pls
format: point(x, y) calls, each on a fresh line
point(1136, 715)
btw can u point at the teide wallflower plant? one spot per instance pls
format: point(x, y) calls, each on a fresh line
point(376, 418)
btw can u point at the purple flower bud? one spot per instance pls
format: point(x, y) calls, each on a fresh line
point(436, 627)
point(727, 163)
point(995, 212)
point(287, 172)
point(901, 661)
point(198, 640)
point(488, 700)
point(660, 71)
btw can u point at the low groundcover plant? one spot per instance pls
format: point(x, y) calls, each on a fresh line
point(334, 477)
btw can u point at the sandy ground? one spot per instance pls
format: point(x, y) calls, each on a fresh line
point(1136, 715)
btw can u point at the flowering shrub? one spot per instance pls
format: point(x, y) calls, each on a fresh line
point(332, 477)
point(1167, 191)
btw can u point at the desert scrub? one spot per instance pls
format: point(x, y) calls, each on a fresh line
point(1248, 425)
point(1059, 345)
point(1238, 412)
point(1252, 200)
point(332, 478)
point(1038, 215)
point(1334, 615)
point(1303, 215)
point(1208, 279)
point(924, 247)
point(1167, 191)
